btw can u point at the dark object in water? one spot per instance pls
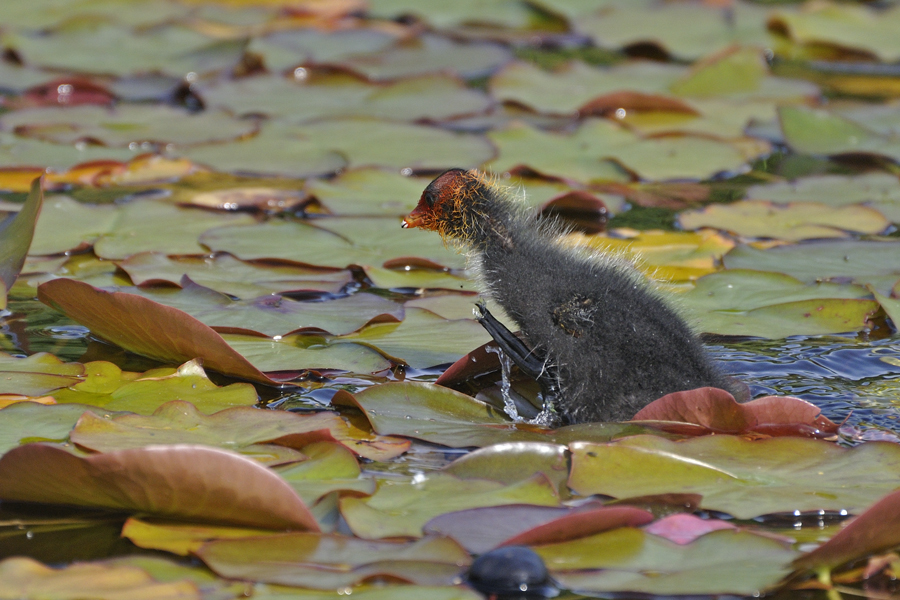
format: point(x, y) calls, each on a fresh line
point(594, 333)
point(511, 572)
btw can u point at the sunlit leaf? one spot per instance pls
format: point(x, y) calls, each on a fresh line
point(298, 352)
point(329, 468)
point(184, 481)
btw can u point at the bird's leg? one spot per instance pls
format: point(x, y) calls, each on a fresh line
point(522, 356)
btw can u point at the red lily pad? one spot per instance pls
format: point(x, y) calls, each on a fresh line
point(146, 327)
point(185, 481)
point(718, 412)
point(683, 529)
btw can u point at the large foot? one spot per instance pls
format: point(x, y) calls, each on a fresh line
point(522, 356)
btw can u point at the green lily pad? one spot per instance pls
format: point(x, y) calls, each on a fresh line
point(68, 225)
point(433, 97)
point(180, 538)
point(430, 53)
point(300, 352)
point(228, 275)
point(321, 561)
point(792, 222)
point(423, 339)
point(37, 374)
point(418, 279)
point(737, 476)
point(286, 49)
point(275, 316)
point(879, 190)
point(126, 124)
point(170, 49)
point(842, 260)
point(21, 151)
point(275, 150)
point(28, 422)
point(400, 509)
point(334, 243)
point(844, 26)
point(16, 234)
point(368, 192)
point(373, 592)
point(145, 327)
point(503, 13)
point(146, 226)
point(685, 30)
point(189, 482)
point(593, 152)
point(721, 562)
point(816, 131)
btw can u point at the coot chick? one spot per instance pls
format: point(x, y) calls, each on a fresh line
point(599, 339)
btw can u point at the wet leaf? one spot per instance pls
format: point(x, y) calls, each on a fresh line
point(145, 327)
point(626, 559)
point(321, 561)
point(401, 509)
point(792, 222)
point(37, 374)
point(15, 238)
point(741, 477)
point(815, 131)
point(329, 468)
point(27, 422)
point(26, 578)
point(184, 481)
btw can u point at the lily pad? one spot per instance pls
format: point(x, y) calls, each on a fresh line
point(179, 538)
point(231, 276)
point(816, 131)
point(334, 243)
point(68, 225)
point(792, 222)
point(299, 352)
point(125, 124)
point(15, 150)
point(721, 562)
point(368, 192)
point(146, 226)
point(37, 374)
point(329, 468)
point(401, 509)
point(737, 476)
point(189, 482)
point(433, 97)
point(595, 150)
point(326, 562)
point(30, 422)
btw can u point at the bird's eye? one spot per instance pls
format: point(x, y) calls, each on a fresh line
point(429, 197)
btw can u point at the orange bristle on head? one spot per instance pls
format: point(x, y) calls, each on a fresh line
point(446, 203)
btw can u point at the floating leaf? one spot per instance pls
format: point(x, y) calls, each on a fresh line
point(187, 482)
point(329, 468)
point(402, 509)
point(368, 191)
point(125, 124)
point(37, 374)
point(145, 327)
point(321, 561)
point(816, 131)
point(67, 225)
point(737, 476)
point(626, 559)
point(683, 528)
point(792, 222)
point(29, 422)
point(299, 352)
point(180, 538)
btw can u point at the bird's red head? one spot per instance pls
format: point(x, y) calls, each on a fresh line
point(438, 200)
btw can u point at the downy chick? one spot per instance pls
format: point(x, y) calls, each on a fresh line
point(600, 340)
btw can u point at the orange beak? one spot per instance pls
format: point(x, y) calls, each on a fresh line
point(413, 219)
